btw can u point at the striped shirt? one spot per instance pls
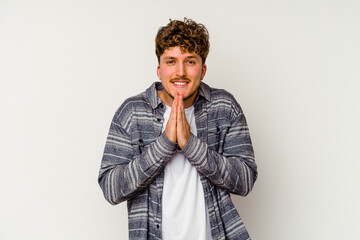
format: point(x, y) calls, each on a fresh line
point(136, 153)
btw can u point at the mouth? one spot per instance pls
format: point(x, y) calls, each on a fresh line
point(180, 84)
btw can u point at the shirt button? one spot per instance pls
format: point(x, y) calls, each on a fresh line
point(159, 119)
point(157, 226)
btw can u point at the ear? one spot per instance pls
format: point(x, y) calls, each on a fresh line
point(203, 72)
point(158, 71)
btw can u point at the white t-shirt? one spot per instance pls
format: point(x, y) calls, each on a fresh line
point(184, 210)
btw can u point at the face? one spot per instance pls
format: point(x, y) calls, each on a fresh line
point(180, 72)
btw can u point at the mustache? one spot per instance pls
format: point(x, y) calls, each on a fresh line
point(180, 79)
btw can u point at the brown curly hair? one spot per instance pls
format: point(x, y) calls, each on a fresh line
point(190, 36)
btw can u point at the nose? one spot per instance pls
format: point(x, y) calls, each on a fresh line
point(181, 70)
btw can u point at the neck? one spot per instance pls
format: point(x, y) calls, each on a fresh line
point(168, 99)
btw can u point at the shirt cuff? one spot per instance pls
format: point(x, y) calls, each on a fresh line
point(164, 146)
point(194, 149)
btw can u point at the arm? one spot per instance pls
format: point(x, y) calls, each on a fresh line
point(123, 176)
point(235, 169)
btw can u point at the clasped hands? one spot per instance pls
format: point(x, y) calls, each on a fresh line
point(177, 128)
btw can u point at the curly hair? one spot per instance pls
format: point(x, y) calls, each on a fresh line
point(190, 36)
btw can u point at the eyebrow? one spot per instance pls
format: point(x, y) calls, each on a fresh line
point(170, 57)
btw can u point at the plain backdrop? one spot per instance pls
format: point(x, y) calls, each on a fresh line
point(66, 66)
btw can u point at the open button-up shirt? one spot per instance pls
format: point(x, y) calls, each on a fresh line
point(136, 153)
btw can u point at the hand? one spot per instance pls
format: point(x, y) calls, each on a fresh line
point(170, 129)
point(182, 125)
point(177, 128)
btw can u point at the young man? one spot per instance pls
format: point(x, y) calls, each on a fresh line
point(176, 151)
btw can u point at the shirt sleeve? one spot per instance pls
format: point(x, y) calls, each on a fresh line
point(235, 169)
point(123, 176)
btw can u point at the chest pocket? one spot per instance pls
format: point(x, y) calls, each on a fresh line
point(216, 135)
point(139, 145)
point(142, 135)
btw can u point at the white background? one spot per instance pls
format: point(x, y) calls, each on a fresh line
point(66, 66)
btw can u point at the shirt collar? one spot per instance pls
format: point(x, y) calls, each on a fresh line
point(151, 93)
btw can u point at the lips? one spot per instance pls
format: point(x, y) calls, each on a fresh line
point(180, 83)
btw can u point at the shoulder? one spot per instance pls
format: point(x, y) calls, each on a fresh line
point(222, 99)
point(217, 93)
point(130, 107)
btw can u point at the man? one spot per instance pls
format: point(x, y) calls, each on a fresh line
point(176, 151)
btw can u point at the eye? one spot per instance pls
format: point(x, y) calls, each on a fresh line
point(170, 62)
point(191, 62)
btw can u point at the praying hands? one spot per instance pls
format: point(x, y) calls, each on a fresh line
point(178, 129)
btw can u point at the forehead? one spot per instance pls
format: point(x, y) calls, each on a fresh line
point(177, 52)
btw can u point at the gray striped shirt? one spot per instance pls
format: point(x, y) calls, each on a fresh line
point(137, 151)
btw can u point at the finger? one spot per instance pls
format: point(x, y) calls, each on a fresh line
point(178, 110)
point(170, 129)
point(180, 105)
point(173, 110)
point(177, 99)
point(182, 111)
